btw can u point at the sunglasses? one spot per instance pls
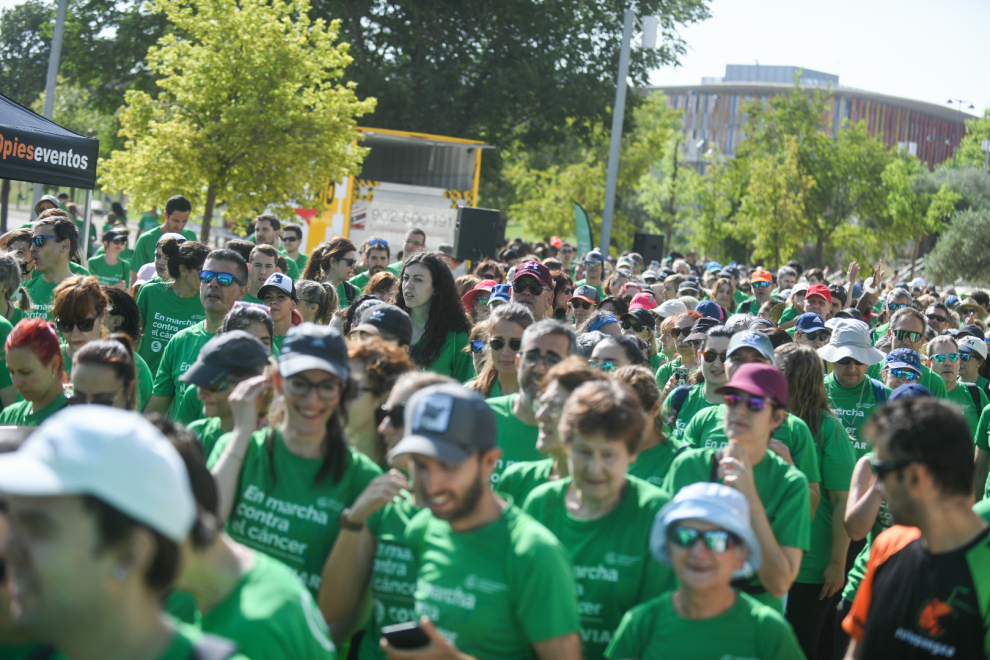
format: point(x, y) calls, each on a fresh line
point(606, 365)
point(761, 285)
point(477, 346)
point(39, 241)
point(821, 335)
point(534, 357)
point(534, 288)
point(580, 304)
point(896, 306)
point(753, 403)
point(222, 386)
point(224, 279)
point(965, 357)
point(378, 242)
point(289, 239)
point(716, 540)
point(349, 262)
point(941, 357)
point(596, 264)
point(936, 318)
point(119, 241)
point(711, 356)
point(904, 374)
point(95, 400)
point(883, 468)
point(298, 386)
point(636, 327)
point(86, 325)
point(846, 361)
point(395, 415)
point(907, 335)
point(680, 332)
point(498, 344)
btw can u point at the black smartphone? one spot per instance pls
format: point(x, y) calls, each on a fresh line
point(406, 635)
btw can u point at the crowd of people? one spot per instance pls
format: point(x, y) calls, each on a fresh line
point(377, 451)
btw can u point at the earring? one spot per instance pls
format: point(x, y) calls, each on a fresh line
point(118, 573)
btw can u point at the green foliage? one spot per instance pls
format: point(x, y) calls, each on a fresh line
point(25, 45)
point(73, 110)
point(971, 146)
point(962, 251)
point(248, 111)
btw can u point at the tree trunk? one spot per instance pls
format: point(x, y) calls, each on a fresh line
point(819, 252)
point(4, 198)
point(211, 200)
point(914, 258)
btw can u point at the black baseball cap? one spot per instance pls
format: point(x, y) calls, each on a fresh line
point(312, 346)
point(701, 327)
point(236, 350)
point(387, 321)
point(447, 422)
point(641, 316)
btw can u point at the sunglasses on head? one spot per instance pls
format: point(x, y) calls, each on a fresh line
point(942, 357)
point(534, 288)
point(39, 241)
point(377, 242)
point(224, 279)
point(394, 415)
point(846, 361)
point(498, 344)
point(580, 304)
point(883, 468)
point(936, 318)
point(821, 335)
point(65, 327)
point(716, 540)
point(907, 335)
point(761, 285)
point(904, 374)
point(753, 403)
point(477, 346)
point(711, 356)
point(636, 327)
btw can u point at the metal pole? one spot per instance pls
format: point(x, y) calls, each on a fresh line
point(53, 63)
point(87, 221)
point(618, 113)
point(955, 146)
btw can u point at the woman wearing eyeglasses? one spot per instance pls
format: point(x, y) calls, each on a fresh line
point(600, 513)
point(777, 492)
point(686, 356)
point(640, 323)
point(506, 326)
point(334, 262)
point(706, 537)
point(440, 324)
point(375, 367)
point(110, 268)
point(168, 307)
point(818, 585)
point(285, 490)
point(103, 373)
point(679, 407)
point(34, 361)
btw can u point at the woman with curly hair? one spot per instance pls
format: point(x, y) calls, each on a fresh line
point(505, 331)
point(375, 367)
point(383, 285)
point(440, 324)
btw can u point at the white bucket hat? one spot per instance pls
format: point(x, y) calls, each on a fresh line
point(850, 338)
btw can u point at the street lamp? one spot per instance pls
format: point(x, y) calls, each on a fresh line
point(960, 102)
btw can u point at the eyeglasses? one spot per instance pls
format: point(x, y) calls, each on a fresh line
point(534, 288)
point(753, 403)
point(498, 344)
point(478, 300)
point(414, 243)
point(904, 374)
point(711, 356)
point(349, 262)
point(534, 357)
point(298, 386)
point(883, 468)
point(893, 307)
point(680, 332)
point(395, 415)
point(941, 357)
point(821, 335)
point(81, 399)
point(716, 540)
point(119, 241)
point(589, 263)
point(289, 239)
point(222, 386)
point(377, 242)
point(86, 325)
point(580, 304)
point(761, 285)
point(39, 240)
point(907, 335)
point(936, 318)
point(846, 361)
point(487, 276)
point(477, 346)
point(965, 357)
point(636, 327)
point(224, 279)
point(604, 365)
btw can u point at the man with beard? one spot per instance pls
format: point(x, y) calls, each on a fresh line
point(544, 344)
point(375, 257)
point(493, 583)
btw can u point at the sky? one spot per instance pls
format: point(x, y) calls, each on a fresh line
point(917, 49)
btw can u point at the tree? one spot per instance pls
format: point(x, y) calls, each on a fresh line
point(971, 146)
point(248, 111)
point(714, 198)
point(962, 251)
point(73, 109)
point(25, 44)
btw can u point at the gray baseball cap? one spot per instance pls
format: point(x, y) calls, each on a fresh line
point(448, 423)
point(234, 350)
point(312, 346)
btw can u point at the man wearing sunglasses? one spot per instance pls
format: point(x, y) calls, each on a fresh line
point(292, 242)
point(810, 330)
point(945, 359)
point(896, 300)
point(937, 315)
point(583, 302)
point(54, 239)
point(177, 210)
point(374, 258)
point(762, 282)
point(594, 270)
point(544, 344)
point(907, 330)
point(532, 287)
point(223, 281)
point(922, 595)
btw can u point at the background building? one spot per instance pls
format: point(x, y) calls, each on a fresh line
point(713, 117)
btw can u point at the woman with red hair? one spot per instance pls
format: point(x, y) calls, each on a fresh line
point(34, 361)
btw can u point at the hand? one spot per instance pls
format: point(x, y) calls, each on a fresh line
point(668, 388)
point(244, 400)
point(835, 577)
point(825, 272)
point(122, 285)
point(735, 470)
point(379, 492)
point(878, 274)
point(852, 273)
point(779, 448)
point(438, 648)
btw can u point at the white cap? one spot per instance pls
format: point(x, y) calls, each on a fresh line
point(114, 455)
point(146, 272)
point(919, 282)
point(972, 344)
point(670, 308)
point(800, 286)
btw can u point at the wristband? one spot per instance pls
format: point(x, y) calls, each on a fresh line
point(348, 524)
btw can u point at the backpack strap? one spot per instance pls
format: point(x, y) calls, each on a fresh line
point(879, 391)
point(974, 393)
point(713, 473)
point(677, 399)
point(351, 291)
point(211, 647)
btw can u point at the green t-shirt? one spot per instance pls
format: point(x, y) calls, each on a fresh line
point(963, 398)
point(879, 332)
point(599, 287)
point(5, 329)
point(837, 460)
point(163, 314)
point(19, 413)
point(148, 222)
point(359, 281)
point(782, 488)
point(748, 629)
point(393, 575)
point(929, 379)
point(182, 645)
point(496, 590)
point(342, 298)
point(666, 370)
point(248, 298)
point(739, 296)
point(749, 306)
point(692, 405)
point(108, 275)
point(853, 405)
point(653, 464)
point(520, 479)
point(707, 429)
point(180, 353)
point(144, 249)
point(789, 314)
point(613, 567)
point(42, 298)
point(278, 508)
point(300, 262)
point(190, 407)
point(516, 439)
point(208, 431)
point(453, 360)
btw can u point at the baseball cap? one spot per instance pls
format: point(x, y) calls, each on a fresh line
point(760, 275)
point(711, 310)
point(671, 308)
point(701, 327)
point(713, 266)
point(114, 455)
point(234, 350)
point(850, 338)
point(751, 339)
point(312, 346)
point(146, 273)
point(714, 503)
point(908, 390)
point(758, 379)
point(689, 286)
point(179, 238)
point(278, 282)
point(974, 330)
point(501, 293)
point(388, 322)
point(587, 293)
point(534, 269)
point(918, 281)
point(447, 422)
point(593, 255)
point(45, 198)
point(819, 290)
point(643, 300)
point(838, 291)
point(973, 345)
point(761, 324)
point(810, 322)
point(952, 301)
point(484, 286)
point(903, 358)
point(650, 275)
point(800, 286)
point(113, 233)
point(641, 316)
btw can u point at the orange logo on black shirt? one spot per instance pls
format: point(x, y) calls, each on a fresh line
point(928, 618)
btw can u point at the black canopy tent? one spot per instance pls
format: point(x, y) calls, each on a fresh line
point(38, 150)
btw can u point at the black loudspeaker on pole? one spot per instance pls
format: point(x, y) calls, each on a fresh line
point(649, 246)
point(477, 233)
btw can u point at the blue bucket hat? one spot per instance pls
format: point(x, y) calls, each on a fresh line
point(903, 358)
